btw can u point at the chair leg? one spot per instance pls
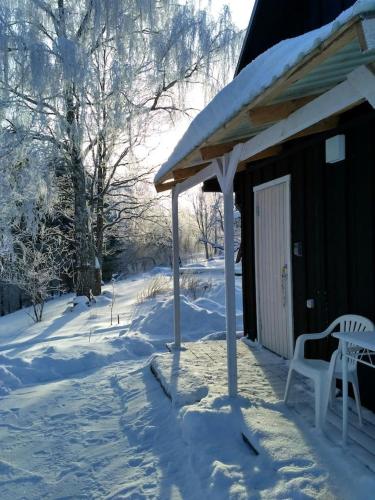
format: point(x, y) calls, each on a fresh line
point(322, 394)
point(329, 395)
point(357, 397)
point(288, 384)
point(332, 393)
point(318, 404)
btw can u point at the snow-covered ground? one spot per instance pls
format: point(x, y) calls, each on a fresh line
point(294, 460)
point(82, 415)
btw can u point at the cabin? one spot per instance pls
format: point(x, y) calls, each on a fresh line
point(291, 139)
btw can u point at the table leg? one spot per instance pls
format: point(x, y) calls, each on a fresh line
point(344, 392)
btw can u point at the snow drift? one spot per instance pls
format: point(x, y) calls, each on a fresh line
point(195, 321)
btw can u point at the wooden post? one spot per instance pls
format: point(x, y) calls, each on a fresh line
point(230, 294)
point(227, 170)
point(176, 271)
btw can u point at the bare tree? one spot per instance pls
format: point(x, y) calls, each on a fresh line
point(36, 265)
point(203, 219)
point(218, 222)
point(207, 208)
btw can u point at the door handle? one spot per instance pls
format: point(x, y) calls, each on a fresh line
point(284, 284)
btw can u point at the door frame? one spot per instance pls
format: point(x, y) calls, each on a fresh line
point(280, 180)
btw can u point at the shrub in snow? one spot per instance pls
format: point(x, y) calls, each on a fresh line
point(35, 264)
point(80, 303)
point(193, 286)
point(158, 285)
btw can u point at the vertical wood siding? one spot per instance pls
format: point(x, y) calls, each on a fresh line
point(276, 20)
point(333, 219)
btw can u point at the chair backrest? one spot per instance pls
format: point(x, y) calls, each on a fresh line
point(352, 323)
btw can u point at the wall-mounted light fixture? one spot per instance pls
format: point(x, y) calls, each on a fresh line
point(335, 149)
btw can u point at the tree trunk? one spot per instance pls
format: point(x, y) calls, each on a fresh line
point(83, 236)
point(84, 242)
point(206, 250)
point(99, 227)
point(99, 249)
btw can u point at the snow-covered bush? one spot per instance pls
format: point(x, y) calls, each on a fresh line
point(193, 286)
point(35, 264)
point(190, 285)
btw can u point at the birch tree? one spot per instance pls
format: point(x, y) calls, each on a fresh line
point(82, 79)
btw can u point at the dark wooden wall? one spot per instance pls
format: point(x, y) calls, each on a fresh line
point(276, 20)
point(333, 218)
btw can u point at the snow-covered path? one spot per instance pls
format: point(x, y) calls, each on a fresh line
point(109, 434)
point(83, 417)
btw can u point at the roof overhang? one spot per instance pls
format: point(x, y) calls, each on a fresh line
point(323, 68)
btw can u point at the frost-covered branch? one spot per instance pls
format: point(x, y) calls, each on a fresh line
point(89, 82)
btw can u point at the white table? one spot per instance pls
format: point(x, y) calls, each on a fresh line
point(366, 342)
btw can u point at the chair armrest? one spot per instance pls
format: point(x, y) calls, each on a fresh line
point(299, 350)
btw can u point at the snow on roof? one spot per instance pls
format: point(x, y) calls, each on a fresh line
point(253, 80)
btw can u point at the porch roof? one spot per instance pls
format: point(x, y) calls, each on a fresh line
point(269, 89)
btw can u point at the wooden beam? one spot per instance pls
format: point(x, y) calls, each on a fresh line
point(216, 150)
point(181, 174)
point(363, 80)
point(166, 186)
point(335, 101)
point(184, 174)
point(323, 126)
point(345, 35)
point(276, 112)
point(208, 172)
point(268, 153)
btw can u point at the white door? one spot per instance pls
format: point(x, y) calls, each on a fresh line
point(273, 266)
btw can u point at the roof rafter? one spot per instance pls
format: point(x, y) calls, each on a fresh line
point(272, 113)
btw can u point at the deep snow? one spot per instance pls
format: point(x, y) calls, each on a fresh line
point(82, 416)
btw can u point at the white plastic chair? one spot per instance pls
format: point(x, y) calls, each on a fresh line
point(324, 373)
